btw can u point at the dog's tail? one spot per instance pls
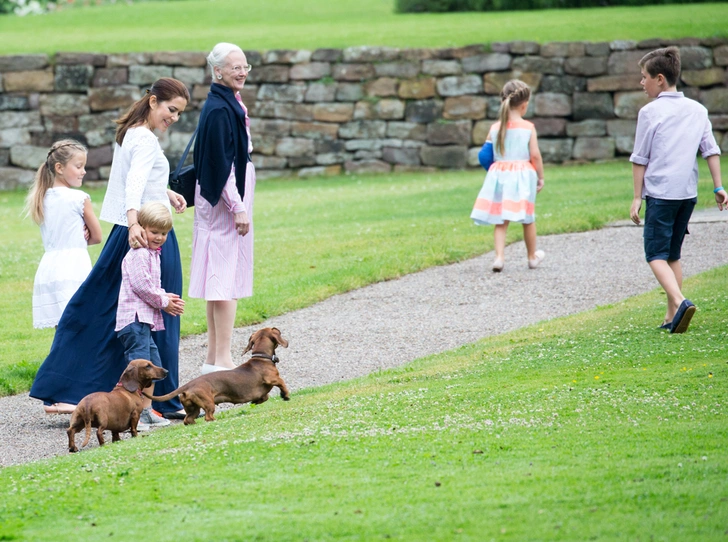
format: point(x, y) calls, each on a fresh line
point(170, 395)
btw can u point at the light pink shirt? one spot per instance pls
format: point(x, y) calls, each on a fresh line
point(670, 131)
point(141, 295)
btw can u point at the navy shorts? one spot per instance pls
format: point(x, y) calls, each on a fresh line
point(666, 223)
point(138, 343)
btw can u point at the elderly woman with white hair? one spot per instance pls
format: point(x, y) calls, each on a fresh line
point(222, 243)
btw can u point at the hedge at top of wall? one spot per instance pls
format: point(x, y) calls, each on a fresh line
point(442, 6)
point(357, 110)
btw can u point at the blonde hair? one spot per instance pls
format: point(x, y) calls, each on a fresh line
point(514, 94)
point(61, 152)
point(155, 215)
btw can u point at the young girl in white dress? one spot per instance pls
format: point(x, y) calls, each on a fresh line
point(67, 226)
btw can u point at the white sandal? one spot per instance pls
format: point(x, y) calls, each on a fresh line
point(540, 255)
point(498, 265)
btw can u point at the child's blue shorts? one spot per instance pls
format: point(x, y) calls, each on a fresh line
point(666, 223)
point(138, 343)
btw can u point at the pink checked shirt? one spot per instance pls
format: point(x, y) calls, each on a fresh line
point(141, 295)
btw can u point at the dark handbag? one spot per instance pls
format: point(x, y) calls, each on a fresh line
point(183, 179)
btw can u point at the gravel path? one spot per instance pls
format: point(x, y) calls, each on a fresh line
point(389, 324)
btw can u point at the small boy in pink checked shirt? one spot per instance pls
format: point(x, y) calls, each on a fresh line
point(141, 299)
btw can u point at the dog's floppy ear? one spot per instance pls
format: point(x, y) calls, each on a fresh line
point(277, 336)
point(130, 378)
point(251, 342)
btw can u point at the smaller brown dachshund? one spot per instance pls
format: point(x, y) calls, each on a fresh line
point(117, 410)
point(248, 383)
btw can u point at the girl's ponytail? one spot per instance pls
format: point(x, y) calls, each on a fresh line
point(514, 93)
point(500, 141)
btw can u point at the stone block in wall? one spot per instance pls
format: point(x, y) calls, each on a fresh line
point(417, 89)
point(442, 67)
point(310, 71)
point(449, 133)
point(349, 92)
point(320, 92)
point(192, 59)
point(383, 86)
point(719, 122)
point(423, 111)
point(333, 112)
point(64, 104)
point(480, 131)
point(592, 105)
point(199, 92)
point(327, 55)
point(555, 151)
point(597, 48)
point(459, 85)
point(265, 144)
point(696, 58)
point(624, 144)
point(314, 130)
point(608, 83)
point(320, 171)
point(550, 127)
point(389, 109)
point(449, 157)
point(28, 120)
point(402, 155)
point(109, 77)
point(564, 84)
point(363, 129)
point(13, 177)
point(493, 107)
point(294, 146)
point(99, 156)
point(128, 59)
point(146, 75)
point(586, 65)
point(9, 137)
point(16, 102)
point(190, 76)
point(563, 49)
point(628, 104)
point(524, 47)
point(73, 77)
point(493, 82)
point(286, 56)
point(472, 159)
point(720, 55)
point(367, 166)
point(282, 93)
point(269, 74)
point(57, 124)
point(188, 121)
point(401, 70)
point(369, 145)
point(293, 111)
point(406, 130)
point(261, 161)
point(593, 148)
point(29, 81)
point(650, 43)
point(464, 107)
point(415, 55)
point(364, 110)
point(301, 161)
point(621, 127)
point(622, 45)
point(587, 128)
point(491, 62)
point(4, 157)
point(467, 51)
point(278, 128)
point(500, 47)
point(538, 64)
point(107, 98)
point(704, 78)
point(715, 99)
point(22, 63)
point(353, 72)
point(552, 104)
point(366, 53)
point(330, 158)
point(28, 156)
point(621, 62)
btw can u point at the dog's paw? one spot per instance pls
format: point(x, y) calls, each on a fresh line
point(286, 397)
point(73, 450)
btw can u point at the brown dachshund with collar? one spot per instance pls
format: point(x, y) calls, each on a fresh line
point(117, 410)
point(248, 383)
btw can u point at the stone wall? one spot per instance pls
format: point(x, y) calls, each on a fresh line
point(361, 109)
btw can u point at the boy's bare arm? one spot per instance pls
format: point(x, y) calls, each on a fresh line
point(721, 197)
point(638, 175)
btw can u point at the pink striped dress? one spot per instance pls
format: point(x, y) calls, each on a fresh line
point(222, 260)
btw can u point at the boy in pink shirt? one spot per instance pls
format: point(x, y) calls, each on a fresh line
point(670, 131)
point(141, 299)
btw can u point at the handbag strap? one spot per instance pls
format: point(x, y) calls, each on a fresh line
point(184, 156)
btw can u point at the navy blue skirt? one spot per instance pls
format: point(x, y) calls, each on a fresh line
point(86, 355)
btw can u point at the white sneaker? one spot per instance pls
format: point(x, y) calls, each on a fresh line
point(143, 427)
point(152, 419)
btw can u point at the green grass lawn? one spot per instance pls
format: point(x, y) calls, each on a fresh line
point(196, 25)
point(592, 427)
point(320, 237)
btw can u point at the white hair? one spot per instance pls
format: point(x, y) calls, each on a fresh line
point(216, 59)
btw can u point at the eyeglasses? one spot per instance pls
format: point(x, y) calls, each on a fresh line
point(238, 69)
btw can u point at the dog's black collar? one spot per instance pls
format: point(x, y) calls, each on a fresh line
point(273, 358)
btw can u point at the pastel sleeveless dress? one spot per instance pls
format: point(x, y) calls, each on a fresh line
point(509, 189)
point(222, 260)
point(66, 263)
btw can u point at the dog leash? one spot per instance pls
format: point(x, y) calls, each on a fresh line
point(273, 358)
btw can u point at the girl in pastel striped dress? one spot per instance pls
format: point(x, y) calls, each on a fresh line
point(512, 181)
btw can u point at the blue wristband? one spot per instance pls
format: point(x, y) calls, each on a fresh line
point(716, 190)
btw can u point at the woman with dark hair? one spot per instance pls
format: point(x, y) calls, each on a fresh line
point(222, 243)
point(86, 355)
